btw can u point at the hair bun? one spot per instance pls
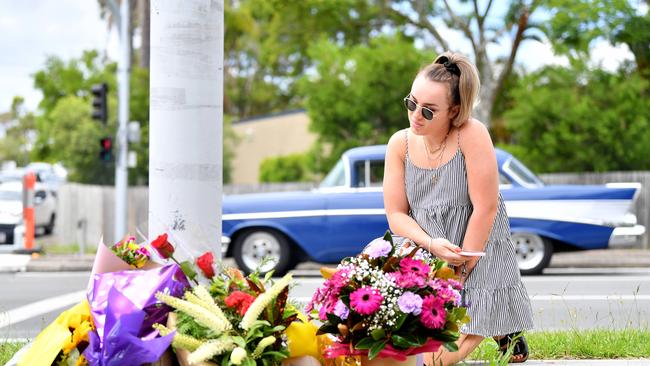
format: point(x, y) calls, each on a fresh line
point(450, 66)
point(442, 60)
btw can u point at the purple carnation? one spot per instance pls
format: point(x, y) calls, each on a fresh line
point(341, 310)
point(410, 303)
point(378, 248)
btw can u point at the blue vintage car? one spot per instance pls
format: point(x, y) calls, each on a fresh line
point(346, 212)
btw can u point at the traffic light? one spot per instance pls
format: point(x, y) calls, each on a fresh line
point(106, 149)
point(100, 106)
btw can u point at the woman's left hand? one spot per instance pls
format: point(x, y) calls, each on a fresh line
point(469, 266)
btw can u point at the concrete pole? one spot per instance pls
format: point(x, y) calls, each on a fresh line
point(186, 124)
point(121, 172)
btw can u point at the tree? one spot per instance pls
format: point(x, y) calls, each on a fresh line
point(283, 31)
point(71, 81)
point(18, 126)
point(355, 96)
point(636, 35)
point(60, 79)
point(74, 140)
point(289, 168)
point(579, 119)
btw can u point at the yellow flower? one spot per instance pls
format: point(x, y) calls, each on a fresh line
point(262, 301)
point(209, 350)
point(265, 342)
point(81, 361)
point(199, 313)
point(302, 339)
point(237, 356)
point(181, 340)
point(78, 335)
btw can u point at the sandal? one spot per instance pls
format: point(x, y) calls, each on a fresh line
point(519, 349)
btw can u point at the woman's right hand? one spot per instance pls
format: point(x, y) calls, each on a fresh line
point(445, 250)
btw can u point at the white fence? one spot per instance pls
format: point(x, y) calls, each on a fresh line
point(85, 212)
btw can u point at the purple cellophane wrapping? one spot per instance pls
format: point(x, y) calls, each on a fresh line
point(130, 295)
point(121, 345)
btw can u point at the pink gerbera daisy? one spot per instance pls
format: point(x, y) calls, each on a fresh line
point(408, 265)
point(365, 300)
point(433, 312)
point(408, 279)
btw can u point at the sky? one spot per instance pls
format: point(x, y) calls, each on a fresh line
point(31, 30)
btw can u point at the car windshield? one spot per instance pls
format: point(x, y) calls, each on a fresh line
point(336, 176)
point(10, 196)
point(522, 174)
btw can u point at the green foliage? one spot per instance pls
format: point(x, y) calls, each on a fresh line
point(575, 344)
point(577, 119)
point(18, 125)
point(355, 98)
point(67, 134)
point(267, 42)
point(230, 141)
point(139, 111)
point(8, 349)
point(573, 25)
point(636, 34)
point(73, 139)
point(289, 168)
point(65, 131)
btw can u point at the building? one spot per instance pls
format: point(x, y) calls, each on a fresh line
point(268, 136)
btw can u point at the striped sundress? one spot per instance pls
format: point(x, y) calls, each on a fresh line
point(496, 299)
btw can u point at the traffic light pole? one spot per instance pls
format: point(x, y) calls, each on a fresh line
point(121, 172)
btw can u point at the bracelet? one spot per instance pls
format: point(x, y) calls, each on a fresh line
point(430, 245)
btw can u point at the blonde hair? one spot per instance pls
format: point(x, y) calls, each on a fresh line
point(461, 76)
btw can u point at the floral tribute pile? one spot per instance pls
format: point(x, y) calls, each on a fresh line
point(381, 303)
point(391, 303)
point(136, 312)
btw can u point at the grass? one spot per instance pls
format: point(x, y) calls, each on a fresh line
point(7, 350)
point(574, 344)
point(67, 249)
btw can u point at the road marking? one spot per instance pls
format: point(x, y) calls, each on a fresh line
point(589, 297)
point(306, 299)
point(53, 274)
point(37, 308)
point(14, 262)
point(599, 279)
point(15, 340)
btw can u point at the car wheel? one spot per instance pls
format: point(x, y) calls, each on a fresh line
point(49, 228)
point(533, 252)
point(253, 245)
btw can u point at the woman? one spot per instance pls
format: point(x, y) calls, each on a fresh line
point(441, 191)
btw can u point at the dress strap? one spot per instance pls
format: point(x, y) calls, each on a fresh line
point(406, 136)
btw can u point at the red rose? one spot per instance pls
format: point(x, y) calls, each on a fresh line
point(240, 301)
point(204, 262)
point(162, 246)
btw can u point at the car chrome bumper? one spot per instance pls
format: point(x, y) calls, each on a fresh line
point(225, 243)
point(626, 236)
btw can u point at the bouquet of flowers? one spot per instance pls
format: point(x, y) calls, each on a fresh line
point(389, 303)
point(130, 252)
point(64, 340)
point(234, 320)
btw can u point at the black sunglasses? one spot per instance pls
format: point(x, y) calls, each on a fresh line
point(410, 104)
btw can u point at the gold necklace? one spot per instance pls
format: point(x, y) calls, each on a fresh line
point(442, 148)
point(431, 152)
